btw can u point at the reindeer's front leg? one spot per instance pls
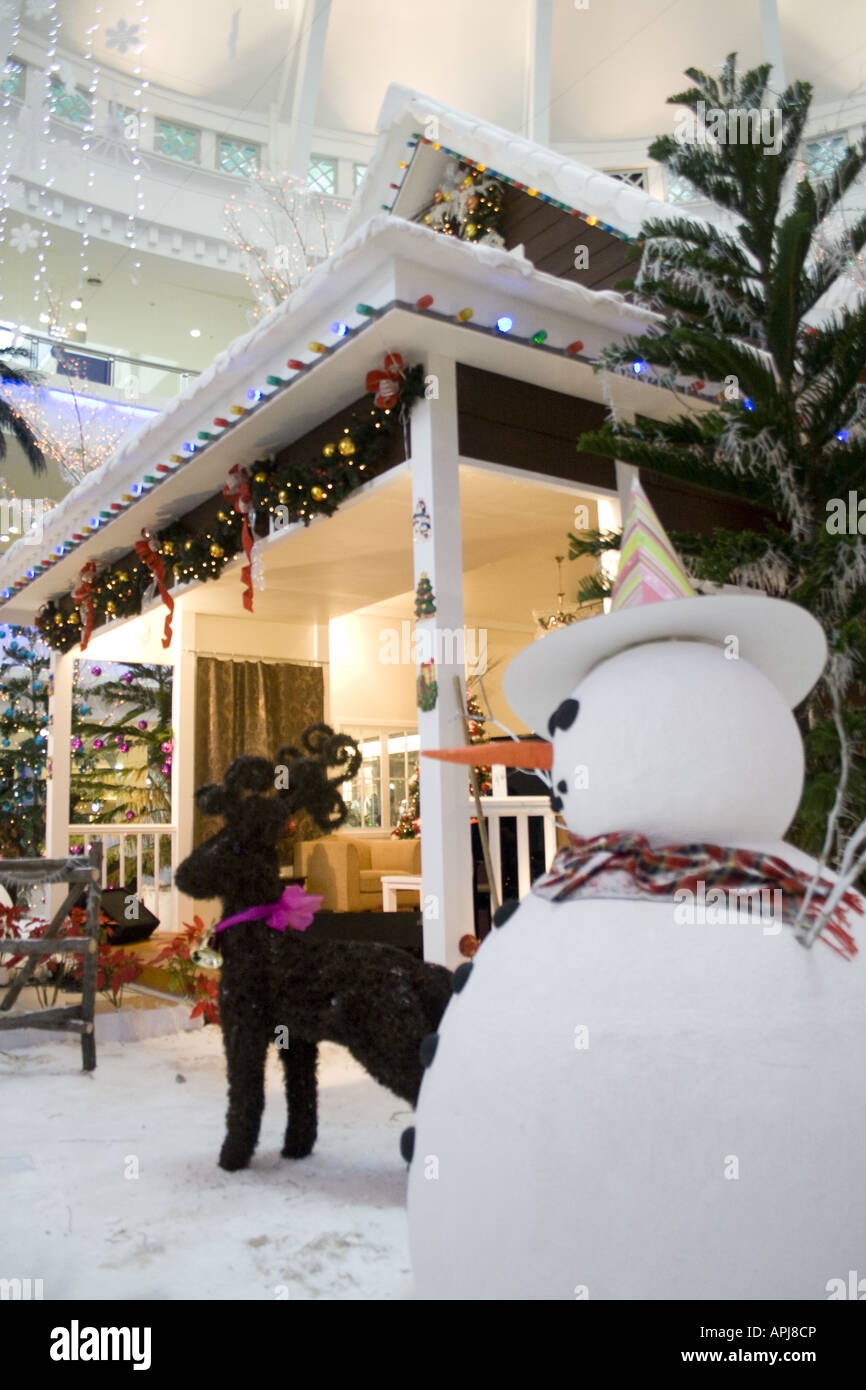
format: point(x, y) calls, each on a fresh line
point(299, 1063)
point(246, 1048)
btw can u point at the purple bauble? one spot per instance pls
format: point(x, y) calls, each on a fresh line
point(76, 744)
point(166, 767)
point(130, 815)
point(98, 743)
point(166, 747)
point(142, 723)
point(97, 671)
point(126, 677)
point(118, 738)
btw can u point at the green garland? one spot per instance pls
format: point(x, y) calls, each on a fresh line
point(196, 550)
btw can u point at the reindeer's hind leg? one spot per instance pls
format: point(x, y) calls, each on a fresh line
point(246, 1048)
point(299, 1063)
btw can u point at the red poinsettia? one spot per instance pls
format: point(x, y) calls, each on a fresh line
point(206, 991)
point(386, 384)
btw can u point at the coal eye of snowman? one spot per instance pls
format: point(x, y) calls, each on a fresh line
point(563, 716)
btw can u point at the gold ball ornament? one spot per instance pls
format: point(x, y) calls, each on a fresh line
point(471, 229)
point(187, 545)
point(282, 495)
point(329, 451)
point(260, 477)
point(111, 606)
point(347, 447)
point(217, 551)
point(168, 547)
point(221, 516)
point(317, 493)
point(122, 577)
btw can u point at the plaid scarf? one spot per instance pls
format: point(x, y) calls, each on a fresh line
point(664, 871)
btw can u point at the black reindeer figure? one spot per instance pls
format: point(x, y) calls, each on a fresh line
point(376, 1000)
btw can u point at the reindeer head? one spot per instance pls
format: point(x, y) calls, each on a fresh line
point(257, 798)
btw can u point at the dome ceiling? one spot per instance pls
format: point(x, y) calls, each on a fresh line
point(614, 63)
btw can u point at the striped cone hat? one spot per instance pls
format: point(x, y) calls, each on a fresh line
point(649, 568)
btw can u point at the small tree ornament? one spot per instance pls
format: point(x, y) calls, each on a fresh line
point(425, 602)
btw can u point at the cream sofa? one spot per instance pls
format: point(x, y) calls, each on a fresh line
point(347, 871)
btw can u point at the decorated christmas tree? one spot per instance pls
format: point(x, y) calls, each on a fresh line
point(122, 744)
point(408, 826)
point(24, 692)
point(466, 205)
point(745, 326)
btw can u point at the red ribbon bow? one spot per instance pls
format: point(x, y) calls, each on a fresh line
point(237, 490)
point(147, 549)
point(386, 384)
point(83, 596)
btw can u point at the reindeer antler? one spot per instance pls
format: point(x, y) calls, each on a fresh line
point(241, 801)
point(309, 786)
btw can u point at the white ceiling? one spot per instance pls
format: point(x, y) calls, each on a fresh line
point(512, 529)
point(614, 61)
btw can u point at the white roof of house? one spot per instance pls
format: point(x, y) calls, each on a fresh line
point(406, 113)
point(386, 262)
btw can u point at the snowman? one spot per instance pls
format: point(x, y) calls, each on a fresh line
point(648, 1083)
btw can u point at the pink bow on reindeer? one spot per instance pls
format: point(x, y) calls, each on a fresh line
point(294, 909)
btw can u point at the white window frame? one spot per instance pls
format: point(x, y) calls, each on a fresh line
point(381, 730)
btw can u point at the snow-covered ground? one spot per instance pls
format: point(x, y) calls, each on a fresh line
point(332, 1226)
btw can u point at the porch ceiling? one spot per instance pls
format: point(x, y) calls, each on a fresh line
point(361, 558)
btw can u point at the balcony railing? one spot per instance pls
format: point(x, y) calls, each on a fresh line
point(139, 858)
point(133, 376)
point(522, 832)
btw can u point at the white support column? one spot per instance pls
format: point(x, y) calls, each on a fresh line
point(314, 32)
point(771, 34)
point(540, 47)
point(446, 854)
point(322, 652)
point(183, 759)
point(59, 766)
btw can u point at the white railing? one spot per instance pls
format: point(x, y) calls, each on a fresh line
point(523, 810)
point(143, 853)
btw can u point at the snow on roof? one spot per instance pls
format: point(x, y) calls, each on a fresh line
point(406, 113)
point(364, 267)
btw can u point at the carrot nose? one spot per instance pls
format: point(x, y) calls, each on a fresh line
point(510, 754)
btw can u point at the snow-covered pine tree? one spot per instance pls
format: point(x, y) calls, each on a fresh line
point(742, 299)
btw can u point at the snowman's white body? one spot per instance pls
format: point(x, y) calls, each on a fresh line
point(622, 1105)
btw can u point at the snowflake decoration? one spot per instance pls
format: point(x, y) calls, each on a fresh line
point(123, 36)
point(39, 9)
point(24, 238)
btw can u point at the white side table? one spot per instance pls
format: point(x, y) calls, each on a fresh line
point(392, 884)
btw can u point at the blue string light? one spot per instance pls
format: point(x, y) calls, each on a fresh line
point(505, 323)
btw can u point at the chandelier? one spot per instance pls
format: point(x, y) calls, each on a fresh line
point(562, 617)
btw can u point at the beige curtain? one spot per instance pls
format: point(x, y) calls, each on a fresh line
point(250, 707)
